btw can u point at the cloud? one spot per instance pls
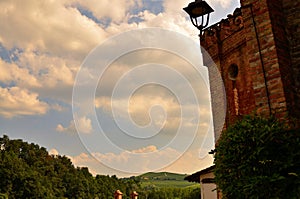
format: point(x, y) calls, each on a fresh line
point(115, 10)
point(15, 101)
point(139, 108)
point(13, 74)
point(57, 107)
point(159, 109)
point(222, 3)
point(174, 5)
point(34, 71)
point(172, 18)
point(53, 152)
point(52, 38)
point(150, 103)
point(50, 71)
point(47, 42)
point(83, 125)
point(128, 161)
point(168, 20)
point(48, 26)
point(148, 149)
point(85, 160)
point(50, 50)
point(189, 162)
point(49, 76)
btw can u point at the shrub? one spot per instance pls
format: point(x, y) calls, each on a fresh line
point(258, 158)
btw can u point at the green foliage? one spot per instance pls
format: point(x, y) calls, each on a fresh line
point(168, 183)
point(170, 193)
point(258, 158)
point(3, 196)
point(28, 171)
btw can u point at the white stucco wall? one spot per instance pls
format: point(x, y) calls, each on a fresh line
point(208, 190)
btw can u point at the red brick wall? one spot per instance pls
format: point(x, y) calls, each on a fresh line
point(225, 42)
point(263, 40)
point(263, 60)
point(291, 12)
point(277, 23)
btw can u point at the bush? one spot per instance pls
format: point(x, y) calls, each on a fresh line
point(3, 196)
point(258, 158)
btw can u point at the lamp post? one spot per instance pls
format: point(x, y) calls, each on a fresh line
point(197, 11)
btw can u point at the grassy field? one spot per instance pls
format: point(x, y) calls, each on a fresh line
point(169, 183)
point(165, 180)
point(163, 176)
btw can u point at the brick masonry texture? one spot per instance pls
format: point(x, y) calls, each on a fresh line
point(262, 38)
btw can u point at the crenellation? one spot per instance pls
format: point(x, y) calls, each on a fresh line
point(222, 30)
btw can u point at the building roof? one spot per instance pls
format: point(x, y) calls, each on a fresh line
point(195, 177)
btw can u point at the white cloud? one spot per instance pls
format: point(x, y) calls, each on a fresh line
point(12, 73)
point(85, 160)
point(69, 129)
point(139, 108)
point(15, 101)
point(50, 76)
point(57, 107)
point(53, 38)
point(172, 18)
point(175, 7)
point(189, 162)
point(168, 20)
point(159, 110)
point(148, 149)
point(104, 103)
point(222, 3)
point(83, 125)
point(48, 26)
point(151, 102)
point(50, 71)
point(53, 152)
point(116, 10)
point(135, 161)
point(52, 49)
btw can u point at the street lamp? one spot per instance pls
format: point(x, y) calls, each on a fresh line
point(196, 10)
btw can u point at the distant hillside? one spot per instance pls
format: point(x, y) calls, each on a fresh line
point(162, 176)
point(165, 180)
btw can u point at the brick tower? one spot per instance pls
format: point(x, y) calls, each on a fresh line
point(256, 51)
point(254, 55)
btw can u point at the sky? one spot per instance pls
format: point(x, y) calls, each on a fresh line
point(117, 86)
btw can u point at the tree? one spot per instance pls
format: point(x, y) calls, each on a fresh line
point(28, 171)
point(258, 158)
